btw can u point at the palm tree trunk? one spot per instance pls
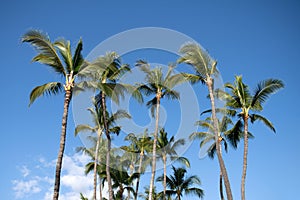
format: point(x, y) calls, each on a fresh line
point(100, 186)
point(165, 175)
point(154, 149)
point(109, 183)
point(95, 166)
point(221, 186)
point(245, 157)
point(68, 97)
point(218, 149)
point(139, 176)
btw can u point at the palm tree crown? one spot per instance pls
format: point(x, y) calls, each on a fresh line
point(161, 86)
point(180, 184)
point(241, 100)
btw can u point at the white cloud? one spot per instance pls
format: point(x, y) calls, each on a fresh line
point(25, 171)
point(24, 188)
point(38, 180)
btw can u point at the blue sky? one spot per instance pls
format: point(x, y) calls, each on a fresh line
point(258, 39)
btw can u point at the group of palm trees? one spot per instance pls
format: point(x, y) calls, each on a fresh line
point(121, 168)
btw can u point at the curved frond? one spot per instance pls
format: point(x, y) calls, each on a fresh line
point(194, 55)
point(264, 89)
point(83, 128)
point(255, 117)
point(77, 58)
point(64, 48)
point(48, 89)
point(46, 51)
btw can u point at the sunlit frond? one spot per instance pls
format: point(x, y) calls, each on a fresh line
point(48, 89)
point(64, 48)
point(46, 51)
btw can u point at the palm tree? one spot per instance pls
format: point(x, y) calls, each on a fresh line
point(58, 56)
point(167, 148)
point(140, 145)
point(205, 69)
point(161, 86)
point(98, 128)
point(241, 99)
point(155, 194)
point(231, 136)
point(179, 183)
point(108, 70)
point(122, 180)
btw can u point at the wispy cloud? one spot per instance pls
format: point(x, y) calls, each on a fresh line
point(36, 179)
point(24, 188)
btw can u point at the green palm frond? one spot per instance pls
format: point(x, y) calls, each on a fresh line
point(265, 89)
point(182, 160)
point(64, 48)
point(255, 117)
point(234, 134)
point(83, 128)
point(193, 78)
point(48, 89)
point(194, 55)
point(144, 66)
point(77, 59)
point(46, 51)
point(198, 135)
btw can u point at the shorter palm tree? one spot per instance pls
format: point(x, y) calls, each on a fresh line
point(155, 195)
point(226, 135)
point(180, 184)
point(248, 106)
point(139, 147)
point(167, 149)
point(159, 85)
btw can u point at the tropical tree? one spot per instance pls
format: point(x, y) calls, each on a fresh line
point(205, 70)
point(155, 195)
point(98, 129)
point(161, 86)
point(167, 149)
point(179, 183)
point(122, 180)
point(226, 135)
point(108, 70)
point(58, 56)
point(248, 106)
point(139, 145)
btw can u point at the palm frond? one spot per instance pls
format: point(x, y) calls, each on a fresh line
point(46, 51)
point(264, 89)
point(193, 78)
point(83, 128)
point(64, 48)
point(77, 57)
point(255, 117)
point(48, 89)
point(194, 55)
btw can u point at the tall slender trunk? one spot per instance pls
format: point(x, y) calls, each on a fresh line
point(221, 186)
point(108, 177)
point(139, 176)
point(154, 147)
point(245, 157)
point(68, 97)
point(216, 130)
point(165, 176)
point(100, 186)
point(95, 164)
point(221, 181)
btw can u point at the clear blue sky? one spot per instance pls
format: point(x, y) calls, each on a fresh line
point(258, 39)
